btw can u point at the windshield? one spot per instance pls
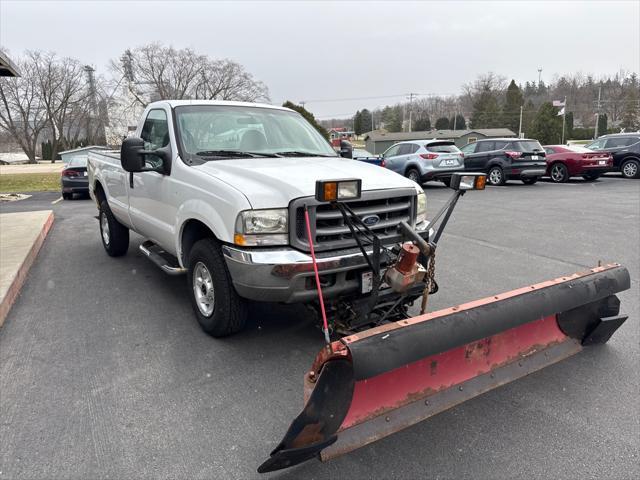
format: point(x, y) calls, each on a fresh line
point(213, 131)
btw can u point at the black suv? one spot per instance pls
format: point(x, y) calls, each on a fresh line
point(625, 150)
point(505, 159)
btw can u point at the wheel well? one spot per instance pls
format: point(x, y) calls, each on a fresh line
point(411, 166)
point(99, 193)
point(193, 231)
point(626, 159)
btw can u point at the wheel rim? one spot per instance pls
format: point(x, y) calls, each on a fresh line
point(203, 289)
point(630, 169)
point(104, 227)
point(413, 175)
point(495, 176)
point(557, 175)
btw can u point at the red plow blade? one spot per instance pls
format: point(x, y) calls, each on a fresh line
point(374, 383)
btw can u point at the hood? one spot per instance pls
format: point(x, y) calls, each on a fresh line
point(274, 182)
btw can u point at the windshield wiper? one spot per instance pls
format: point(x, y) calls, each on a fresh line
point(297, 153)
point(235, 154)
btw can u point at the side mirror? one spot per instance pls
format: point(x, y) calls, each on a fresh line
point(346, 149)
point(131, 156)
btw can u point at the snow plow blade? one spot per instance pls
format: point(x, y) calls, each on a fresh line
point(372, 384)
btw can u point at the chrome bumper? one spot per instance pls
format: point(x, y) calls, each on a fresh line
point(281, 274)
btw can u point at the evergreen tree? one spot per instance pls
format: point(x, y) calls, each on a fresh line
point(308, 116)
point(458, 122)
point(511, 110)
point(547, 125)
point(357, 123)
point(486, 112)
point(422, 124)
point(366, 121)
point(602, 124)
point(442, 123)
point(392, 119)
point(528, 114)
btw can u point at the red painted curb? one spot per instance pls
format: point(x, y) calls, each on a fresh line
point(18, 281)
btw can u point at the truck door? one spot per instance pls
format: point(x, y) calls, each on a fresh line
point(152, 206)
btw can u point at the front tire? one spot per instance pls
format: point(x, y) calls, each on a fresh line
point(630, 169)
point(114, 235)
point(67, 196)
point(559, 173)
point(413, 174)
point(218, 307)
point(496, 176)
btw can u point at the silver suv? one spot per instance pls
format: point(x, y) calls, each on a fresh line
point(424, 160)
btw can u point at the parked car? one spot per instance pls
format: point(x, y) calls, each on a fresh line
point(73, 178)
point(564, 162)
point(506, 159)
point(625, 150)
point(424, 160)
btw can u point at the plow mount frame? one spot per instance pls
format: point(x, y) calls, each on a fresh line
point(371, 384)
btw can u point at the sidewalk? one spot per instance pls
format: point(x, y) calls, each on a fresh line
point(21, 236)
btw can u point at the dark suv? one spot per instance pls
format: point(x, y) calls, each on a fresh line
point(505, 159)
point(625, 150)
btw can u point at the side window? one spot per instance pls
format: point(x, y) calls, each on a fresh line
point(549, 151)
point(619, 142)
point(391, 152)
point(485, 147)
point(405, 149)
point(469, 148)
point(414, 148)
point(155, 133)
point(499, 145)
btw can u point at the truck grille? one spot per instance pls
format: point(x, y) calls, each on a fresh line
point(329, 230)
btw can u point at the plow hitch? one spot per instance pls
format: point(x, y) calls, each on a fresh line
point(373, 383)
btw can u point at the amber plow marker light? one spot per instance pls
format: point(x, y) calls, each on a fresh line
point(468, 181)
point(336, 190)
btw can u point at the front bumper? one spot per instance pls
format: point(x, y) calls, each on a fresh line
point(286, 275)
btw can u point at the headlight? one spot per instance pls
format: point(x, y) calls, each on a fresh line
point(262, 227)
point(421, 208)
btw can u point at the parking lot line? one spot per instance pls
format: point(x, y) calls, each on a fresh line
point(56, 200)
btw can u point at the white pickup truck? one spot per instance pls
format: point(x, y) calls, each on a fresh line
point(219, 191)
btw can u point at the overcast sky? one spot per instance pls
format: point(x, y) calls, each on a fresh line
point(336, 50)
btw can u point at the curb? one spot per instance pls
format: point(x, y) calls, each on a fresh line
point(18, 281)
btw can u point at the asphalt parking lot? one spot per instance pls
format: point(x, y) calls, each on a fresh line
point(104, 372)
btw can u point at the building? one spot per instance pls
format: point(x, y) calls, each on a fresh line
point(378, 141)
point(337, 134)
point(81, 152)
point(7, 68)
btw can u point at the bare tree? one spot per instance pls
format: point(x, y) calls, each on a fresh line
point(156, 72)
point(22, 111)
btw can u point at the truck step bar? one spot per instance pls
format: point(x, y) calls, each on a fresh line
point(167, 262)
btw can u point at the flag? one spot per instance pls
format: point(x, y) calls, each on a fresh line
point(558, 103)
point(561, 112)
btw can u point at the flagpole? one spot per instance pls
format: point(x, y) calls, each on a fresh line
point(564, 113)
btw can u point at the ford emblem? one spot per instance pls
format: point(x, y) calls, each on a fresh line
point(370, 220)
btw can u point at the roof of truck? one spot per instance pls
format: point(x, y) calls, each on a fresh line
point(178, 103)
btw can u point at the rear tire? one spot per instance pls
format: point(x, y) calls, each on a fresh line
point(529, 181)
point(447, 181)
point(218, 307)
point(67, 196)
point(559, 173)
point(630, 169)
point(114, 235)
point(590, 177)
point(496, 176)
point(413, 174)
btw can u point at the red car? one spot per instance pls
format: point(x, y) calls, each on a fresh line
point(564, 162)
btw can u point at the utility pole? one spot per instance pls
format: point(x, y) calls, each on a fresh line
point(564, 116)
point(598, 113)
point(100, 134)
point(411, 95)
point(455, 118)
point(539, 75)
point(520, 126)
